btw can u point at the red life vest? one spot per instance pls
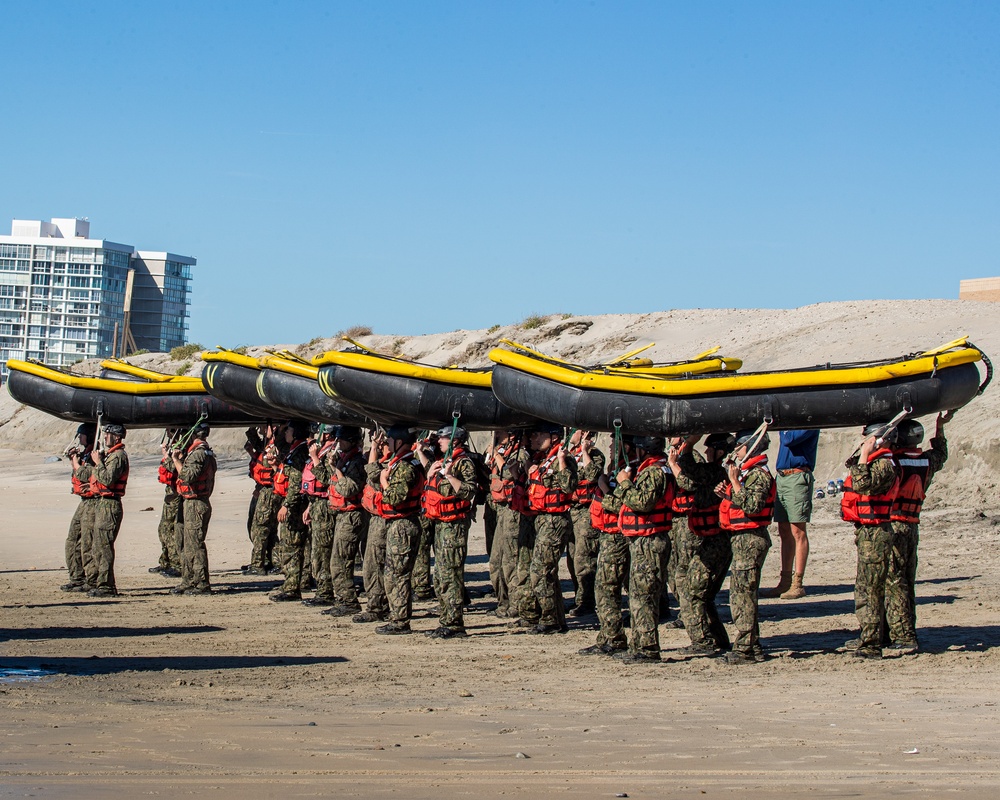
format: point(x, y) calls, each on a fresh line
point(311, 485)
point(201, 487)
point(165, 474)
point(280, 477)
point(862, 509)
point(600, 518)
point(409, 506)
point(732, 518)
point(704, 521)
point(117, 489)
point(502, 489)
point(260, 471)
point(914, 469)
point(542, 499)
point(337, 501)
point(660, 518)
point(585, 490)
point(440, 507)
point(683, 502)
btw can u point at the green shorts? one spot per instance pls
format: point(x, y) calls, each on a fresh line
point(794, 499)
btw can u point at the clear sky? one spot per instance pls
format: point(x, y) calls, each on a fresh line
point(427, 166)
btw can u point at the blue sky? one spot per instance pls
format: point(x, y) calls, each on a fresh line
point(428, 166)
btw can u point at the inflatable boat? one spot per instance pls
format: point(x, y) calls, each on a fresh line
point(291, 385)
point(232, 377)
point(137, 403)
point(824, 396)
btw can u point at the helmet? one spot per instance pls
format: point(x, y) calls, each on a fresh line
point(202, 430)
point(299, 428)
point(723, 442)
point(651, 444)
point(546, 427)
point(88, 429)
point(877, 429)
point(348, 433)
point(401, 433)
point(460, 434)
point(910, 433)
point(115, 429)
point(747, 438)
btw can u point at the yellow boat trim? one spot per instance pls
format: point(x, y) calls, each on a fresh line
point(296, 366)
point(183, 385)
point(848, 375)
point(125, 368)
point(626, 364)
point(229, 357)
point(386, 365)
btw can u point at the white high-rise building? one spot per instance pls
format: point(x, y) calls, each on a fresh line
point(62, 294)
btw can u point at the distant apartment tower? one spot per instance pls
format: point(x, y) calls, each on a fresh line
point(62, 294)
point(979, 289)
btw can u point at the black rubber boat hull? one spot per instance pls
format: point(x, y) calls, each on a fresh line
point(237, 385)
point(76, 404)
point(418, 402)
point(819, 407)
point(299, 396)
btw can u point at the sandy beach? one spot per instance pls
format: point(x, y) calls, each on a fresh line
point(155, 694)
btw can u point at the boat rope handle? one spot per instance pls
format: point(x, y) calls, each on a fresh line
point(99, 444)
point(618, 446)
point(989, 368)
point(757, 436)
point(451, 442)
point(183, 441)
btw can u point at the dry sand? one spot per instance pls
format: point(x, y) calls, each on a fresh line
point(154, 694)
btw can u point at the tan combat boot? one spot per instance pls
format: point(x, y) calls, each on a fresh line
point(795, 591)
point(784, 583)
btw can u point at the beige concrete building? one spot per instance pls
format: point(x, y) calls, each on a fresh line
point(979, 289)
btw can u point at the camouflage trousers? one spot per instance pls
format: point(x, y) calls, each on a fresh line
point(402, 538)
point(649, 556)
point(900, 583)
point(749, 551)
point(874, 543)
point(552, 532)
point(451, 544)
point(588, 543)
point(613, 562)
point(295, 545)
point(503, 558)
point(80, 542)
point(107, 523)
point(420, 579)
point(706, 572)
point(171, 518)
point(193, 552)
point(682, 546)
point(489, 525)
point(521, 597)
point(347, 531)
point(374, 566)
point(322, 519)
point(263, 526)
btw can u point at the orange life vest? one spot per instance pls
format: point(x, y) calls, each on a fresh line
point(660, 518)
point(914, 475)
point(502, 489)
point(704, 521)
point(585, 491)
point(201, 487)
point(165, 474)
point(441, 507)
point(863, 509)
point(337, 501)
point(117, 489)
point(541, 498)
point(409, 506)
point(281, 479)
point(732, 518)
point(311, 485)
point(260, 471)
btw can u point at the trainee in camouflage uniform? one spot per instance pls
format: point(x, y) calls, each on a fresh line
point(869, 493)
point(195, 483)
point(397, 502)
point(170, 530)
point(644, 520)
point(373, 567)
point(262, 520)
point(421, 580)
point(682, 542)
point(319, 516)
point(448, 500)
point(917, 468)
point(294, 533)
point(80, 537)
point(746, 510)
point(590, 463)
point(107, 482)
point(343, 470)
point(547, 497)
point(710, 549)
point(613, 560)
point(503, 554)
